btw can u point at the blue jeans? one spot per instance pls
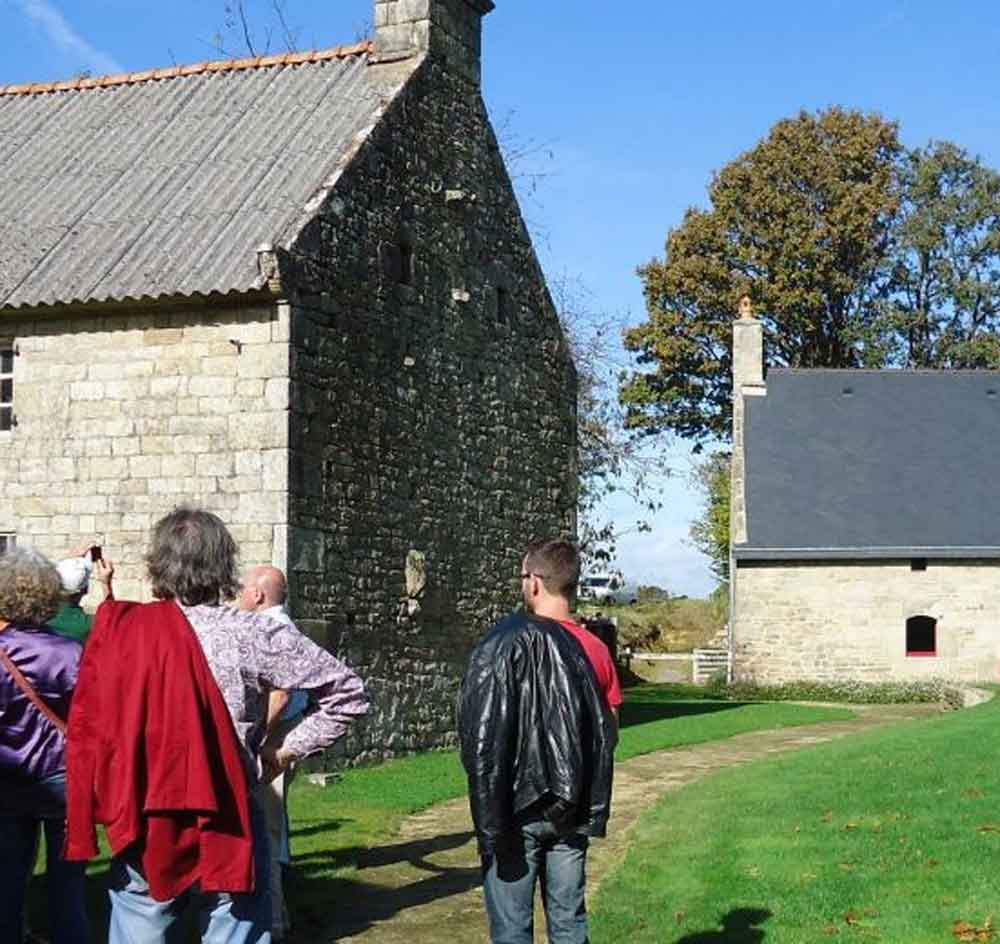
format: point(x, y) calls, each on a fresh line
point(26, 807)
point(559, 862)
point(137, 918)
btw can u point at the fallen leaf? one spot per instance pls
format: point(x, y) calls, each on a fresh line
point(679, 916)
point(990, 828)
point(966, 931)
point(851, 918)
point(973, 793)
point(827, 817)
point(871, 912)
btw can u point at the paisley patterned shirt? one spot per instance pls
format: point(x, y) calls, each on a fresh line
point(250, 653)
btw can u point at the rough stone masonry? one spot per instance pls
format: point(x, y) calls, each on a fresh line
point(391, 421)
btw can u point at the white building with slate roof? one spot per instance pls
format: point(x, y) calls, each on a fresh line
point(296, 290)
point(865, 521)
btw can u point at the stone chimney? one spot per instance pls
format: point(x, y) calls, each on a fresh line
point(449, 30)
point(748, 381)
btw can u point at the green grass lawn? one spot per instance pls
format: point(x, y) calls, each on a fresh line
point(334, 827)
point(892, 836)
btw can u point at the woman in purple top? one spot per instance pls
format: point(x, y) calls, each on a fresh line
point(32, 749)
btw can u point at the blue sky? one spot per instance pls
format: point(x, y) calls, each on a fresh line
point(638, 103)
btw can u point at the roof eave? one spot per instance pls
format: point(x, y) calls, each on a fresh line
point(750, 553)
point(171, 302)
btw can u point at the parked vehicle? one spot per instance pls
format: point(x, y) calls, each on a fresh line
point(607, 588)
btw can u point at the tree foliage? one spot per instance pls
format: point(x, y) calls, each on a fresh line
point(944, 288)
point(710, 530)
point(855, 251)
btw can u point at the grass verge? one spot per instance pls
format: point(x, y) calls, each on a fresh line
point(891, 835)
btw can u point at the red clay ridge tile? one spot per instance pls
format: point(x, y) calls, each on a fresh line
point(172, 72)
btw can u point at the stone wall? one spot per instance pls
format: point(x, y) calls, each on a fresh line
point(122, 416)
point(846, 620)
point(433, 404)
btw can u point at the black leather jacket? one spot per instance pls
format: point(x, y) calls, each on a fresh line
point(537, 737)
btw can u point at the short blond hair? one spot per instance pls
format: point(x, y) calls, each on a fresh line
point(30, 589)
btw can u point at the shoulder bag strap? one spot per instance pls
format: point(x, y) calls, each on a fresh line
point(25, 686)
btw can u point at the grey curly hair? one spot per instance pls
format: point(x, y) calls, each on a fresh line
point(30, 589)
point(193, 558)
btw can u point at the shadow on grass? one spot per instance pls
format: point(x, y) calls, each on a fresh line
point(639, 712)
point(739, 926)
point(333, 907)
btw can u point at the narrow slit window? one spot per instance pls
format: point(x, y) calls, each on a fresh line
point(405, 263)
point(921, 636)
point(918, 563)
point(6, 389)
point(503, 306)
point(8, 540)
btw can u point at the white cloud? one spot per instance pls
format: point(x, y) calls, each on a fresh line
point(65, 38)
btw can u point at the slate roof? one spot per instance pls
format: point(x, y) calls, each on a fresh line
point(167, 182)
point(854, 464)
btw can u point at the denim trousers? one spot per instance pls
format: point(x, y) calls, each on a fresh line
point(27, 807)
point(137, 918)
point(558, 862)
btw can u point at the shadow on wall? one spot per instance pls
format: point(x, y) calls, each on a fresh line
point(739, 926)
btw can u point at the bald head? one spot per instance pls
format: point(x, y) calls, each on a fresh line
point(263, 587)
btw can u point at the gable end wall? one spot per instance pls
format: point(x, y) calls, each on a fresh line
point(433, 424)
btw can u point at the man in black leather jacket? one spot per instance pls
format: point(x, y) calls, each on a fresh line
point(537, 742)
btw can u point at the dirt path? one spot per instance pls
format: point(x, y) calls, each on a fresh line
point(425, 889)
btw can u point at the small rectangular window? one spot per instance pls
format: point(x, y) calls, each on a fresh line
point(921, 636)
point(8, 540)
point(6, 388)
point(918, 563)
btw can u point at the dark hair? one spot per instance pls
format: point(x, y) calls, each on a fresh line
point(192, 558)
point(557, 563)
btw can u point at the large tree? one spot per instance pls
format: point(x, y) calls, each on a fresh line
point(802, 221)
point(856, 253)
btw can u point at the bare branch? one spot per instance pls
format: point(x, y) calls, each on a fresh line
point(247, 35)
point(289, 36)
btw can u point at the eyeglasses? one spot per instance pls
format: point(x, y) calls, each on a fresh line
point(539, 576)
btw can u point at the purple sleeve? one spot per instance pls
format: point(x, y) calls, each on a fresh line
point(289, 660)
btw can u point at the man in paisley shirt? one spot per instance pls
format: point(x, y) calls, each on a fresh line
point(265, 590)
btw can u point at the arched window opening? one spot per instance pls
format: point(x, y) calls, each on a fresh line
point(921, 636)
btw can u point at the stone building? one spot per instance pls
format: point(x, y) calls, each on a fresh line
point(865, 521)
point(297, 291)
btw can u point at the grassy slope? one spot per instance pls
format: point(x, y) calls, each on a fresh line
point(891, 836)
point(677, 625)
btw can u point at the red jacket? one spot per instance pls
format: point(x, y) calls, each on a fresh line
point(152, 755)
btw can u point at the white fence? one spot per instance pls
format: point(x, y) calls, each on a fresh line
point(709, 663)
